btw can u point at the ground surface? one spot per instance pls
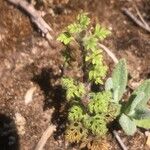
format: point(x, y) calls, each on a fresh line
point(28, 63)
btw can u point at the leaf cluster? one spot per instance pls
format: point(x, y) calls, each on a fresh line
point(89, 43)
point(92, 116)
point(75, 133)
point(104, 106)
point(96, 115)
point(73, 89)
point(135, 112)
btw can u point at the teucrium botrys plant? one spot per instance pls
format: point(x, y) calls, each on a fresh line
point(91, 111)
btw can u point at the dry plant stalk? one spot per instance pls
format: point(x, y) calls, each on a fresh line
point(35, 17)
point(48, 132)
point(109, 53)
point(140, 22)
point(119, 140)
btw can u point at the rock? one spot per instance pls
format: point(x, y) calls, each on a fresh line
point(20, 123)
point(29, 95)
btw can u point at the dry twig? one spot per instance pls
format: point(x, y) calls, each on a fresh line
point(136, 20)
point(35, 17)
point(113, 57)
point(48, 132)
point(140, 16)
point(119, 140)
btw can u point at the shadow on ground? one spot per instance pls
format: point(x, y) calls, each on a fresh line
point(9, 139)
point(54, 98)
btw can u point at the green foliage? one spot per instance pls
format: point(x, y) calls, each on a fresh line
point(109, 84)
point(137, 107)
point(143, 123)
point(65, 38)
point(144, 87)
point(83, 20)
point(90, 42)
point(99, 102)
point(92, 117)
point(81, 24)
point(75, 113)
point(100, 32)
point(114, 110)
point(73, 89)
point(93, 56)
point(97, 70)
point(131, 109)
point(119, 79)
point(127, 124)
point(96, 124)
point(91, 111)
point(141, 113)
point(135, 112)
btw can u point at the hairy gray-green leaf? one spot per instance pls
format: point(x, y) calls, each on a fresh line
point(141, 113)
point(144, 123)
point(135, 102)
point(108, 84)
point(144, 87)
point(127, 125)
point(119, 78)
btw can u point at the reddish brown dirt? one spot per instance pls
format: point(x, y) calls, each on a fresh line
point(27, 60)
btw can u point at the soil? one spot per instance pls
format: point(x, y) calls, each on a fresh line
point(27, 62)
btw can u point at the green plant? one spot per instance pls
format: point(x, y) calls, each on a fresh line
point(90, 110)
point(93, 110)
point(135, 112)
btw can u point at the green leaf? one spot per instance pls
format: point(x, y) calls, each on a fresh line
point(116, 95)
point(108, 84)
point(65, 38)
point(90, 43)
point(83, 20)
point(119, 78)
point(135, 102)
point(73, 89)
point(74, 28)
point(144, 123)
point(141, 113)
point(75, 113)
point(99, 102)
point(81, 89)
point(144, 87)
point(127, 124)
point(101, 32)
point(96, 124)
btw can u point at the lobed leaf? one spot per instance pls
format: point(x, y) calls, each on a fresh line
point(99, 102)
point(90, 42)
point(65, 38)
point(75, 113)
point(101, 32)
point(74, 28)
point(83, 20)
point(96, 124)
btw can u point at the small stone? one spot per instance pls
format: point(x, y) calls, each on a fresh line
point(20, 122)
point(29, 95)
point(148, 138)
